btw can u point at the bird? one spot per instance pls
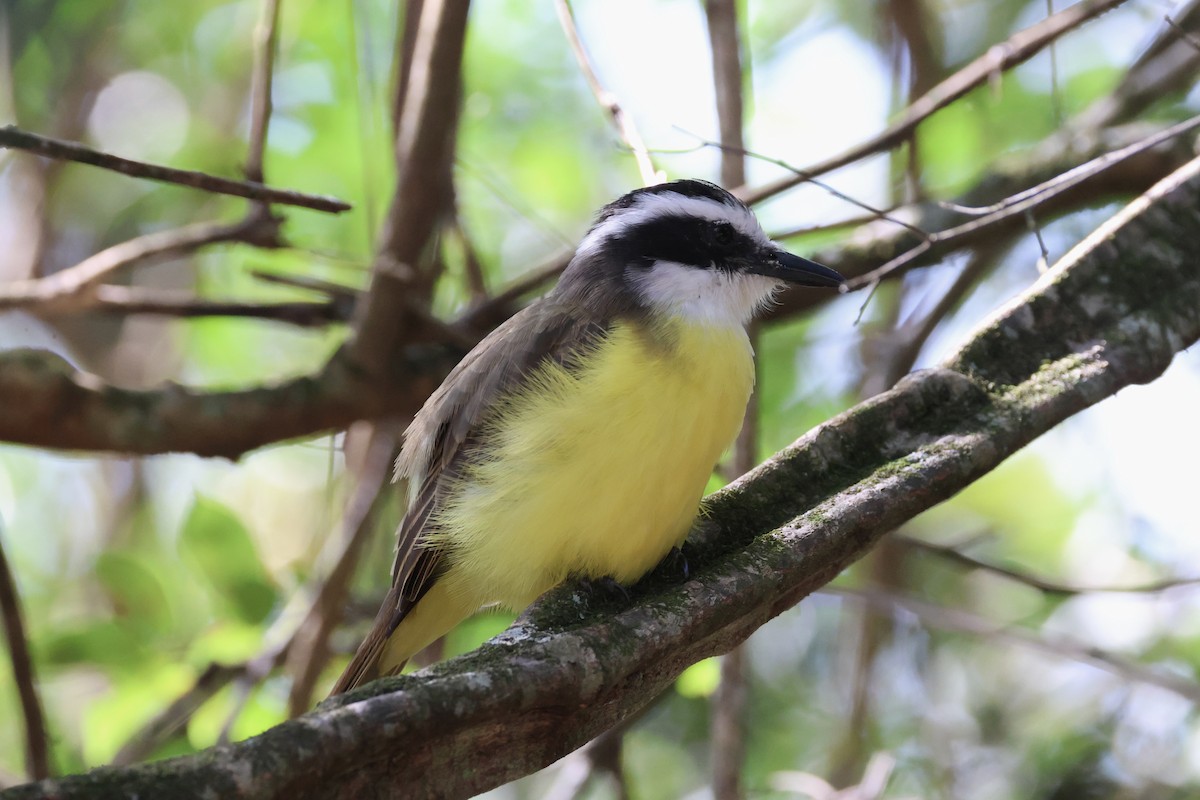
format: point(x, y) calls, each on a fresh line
point(576, 440)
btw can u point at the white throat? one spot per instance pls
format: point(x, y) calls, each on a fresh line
point(710, 297)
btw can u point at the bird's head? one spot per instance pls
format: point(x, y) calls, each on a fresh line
point(686, 248)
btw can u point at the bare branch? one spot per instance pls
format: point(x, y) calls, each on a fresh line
point(338, 292)
point(423, 194)
point(72, 288)
point(875, 212)
point(172, 718)
point(727, 745)
point(909, 340)
point(265, 44)
point(46, 402)
point(12, 137)
point(956, 619)
point(1042, 584)
point(1003, 56)
point(725, 41)
point(607, 100)
point(504, 304)
point(167, 303)
point(37, 750)
point(727, 740)
point(309, 651)
point(1020, 203)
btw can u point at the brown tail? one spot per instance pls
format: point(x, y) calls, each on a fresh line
point(364, 667)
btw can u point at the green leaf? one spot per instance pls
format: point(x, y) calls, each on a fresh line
point(700, 679)
point(218, 545)
point(136, 588)
point(96, 642)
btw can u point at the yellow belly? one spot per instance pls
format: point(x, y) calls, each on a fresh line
point(596, 471)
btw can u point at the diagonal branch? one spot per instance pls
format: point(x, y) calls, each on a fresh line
point(1018, 205)
point(1113, 312)
point(12, 137)
point(1016, 50)
point(881, 241)
point(607, 100)
point(72, 288)
point(1042, 584)
point(958, 620)
point(37, 750)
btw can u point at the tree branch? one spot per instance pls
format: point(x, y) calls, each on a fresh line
point(727, 707)
point(424, 153)
point(167, 303)
point(266, 35)
point(1042, 584)
point(70, 289)
point(37, 750)
point(12, 137)
point(882, 240)
point(46, 402)
point(607, 100)
point(1003, 56)
point(1113, 312)
point(955, 619)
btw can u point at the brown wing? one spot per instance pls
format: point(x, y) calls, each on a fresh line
point(445, 430)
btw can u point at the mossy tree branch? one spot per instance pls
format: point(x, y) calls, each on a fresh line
point(1112, 313)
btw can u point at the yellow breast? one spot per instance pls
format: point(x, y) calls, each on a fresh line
point(597, 470)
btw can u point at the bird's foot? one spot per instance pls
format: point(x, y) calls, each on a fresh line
point(674, 566)
point(605, 591)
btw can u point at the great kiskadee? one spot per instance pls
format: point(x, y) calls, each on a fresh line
point(577, 438)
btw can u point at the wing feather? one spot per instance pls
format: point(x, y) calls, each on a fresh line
point(445, 431)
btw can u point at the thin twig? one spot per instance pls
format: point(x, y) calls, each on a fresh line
point(912, 337)
point(502, 305)
point(957, 620)
point(309, 651)
point(12, 137)
point(1055, 91)
point(266, 35)
point(607, 100)
point(828, 227)
point(1043, 584)
point(1079, 174)
point(70, 287)
point(476, 279)
point(37, 751)
point(172, 718)
point(1184, 34)
point(1019, 203)
point(809, 177)
point(1003, 56)
point(168, 303)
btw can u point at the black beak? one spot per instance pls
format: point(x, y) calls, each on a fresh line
point(781, 264)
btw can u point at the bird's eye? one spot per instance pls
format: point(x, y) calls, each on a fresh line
point(723, 234)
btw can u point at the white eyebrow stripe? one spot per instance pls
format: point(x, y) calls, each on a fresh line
point(650, 207)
